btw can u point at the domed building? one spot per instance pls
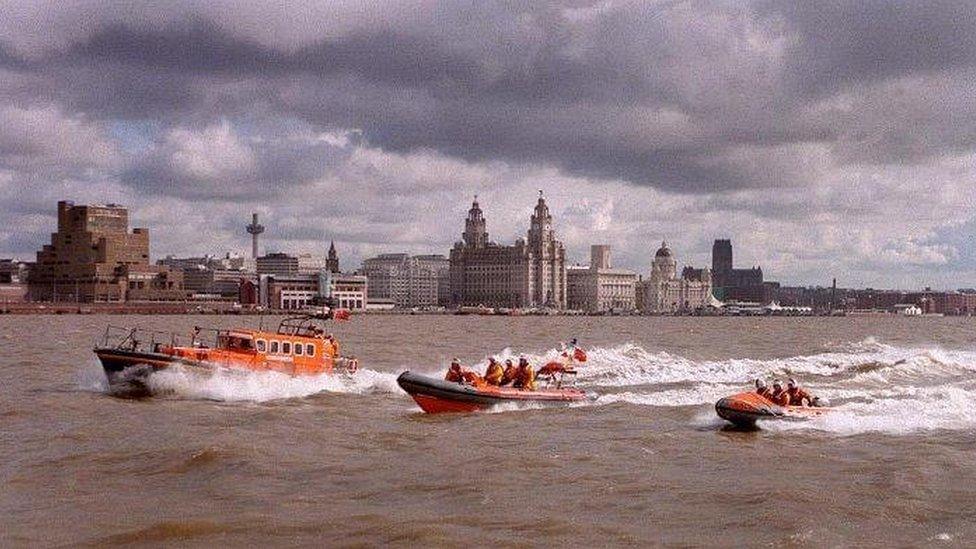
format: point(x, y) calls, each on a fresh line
point(666, 292)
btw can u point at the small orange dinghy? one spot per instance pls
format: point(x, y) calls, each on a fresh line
point(745, 409)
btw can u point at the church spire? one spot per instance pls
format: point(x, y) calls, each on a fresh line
point(332, 262)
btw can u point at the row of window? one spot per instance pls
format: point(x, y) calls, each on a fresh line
point(285, 348)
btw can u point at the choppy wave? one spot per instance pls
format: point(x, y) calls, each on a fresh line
point(877, 387)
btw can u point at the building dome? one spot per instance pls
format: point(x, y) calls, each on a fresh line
point(664, 251)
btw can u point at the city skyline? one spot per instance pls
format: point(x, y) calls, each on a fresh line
point(825, 141)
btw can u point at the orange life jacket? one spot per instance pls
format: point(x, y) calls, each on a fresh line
point(511, 372)
point(782, 398)
point(525, 379)
point(494, 374)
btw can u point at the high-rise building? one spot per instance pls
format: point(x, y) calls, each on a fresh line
point(94, 257)
point(409, 281)
point(665, 292)
point(532, 273)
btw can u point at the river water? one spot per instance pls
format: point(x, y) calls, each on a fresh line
point(263, 459)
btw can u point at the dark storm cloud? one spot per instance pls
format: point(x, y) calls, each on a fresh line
point(841, 43)
point(689, 97)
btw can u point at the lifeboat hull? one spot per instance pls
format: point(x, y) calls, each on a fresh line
point(745, 409)
point(133, 367)
point(438, 396)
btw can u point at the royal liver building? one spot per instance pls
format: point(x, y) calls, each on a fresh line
point(532, 273)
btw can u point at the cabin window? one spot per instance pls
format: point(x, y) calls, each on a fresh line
point(262, 345)
point(286, 347)
point(298, 349)
point(309, 349)
point(274, 346)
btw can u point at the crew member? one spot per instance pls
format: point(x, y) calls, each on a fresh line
point(577, 352)
point(798, 397)
point(524, 376)
point(779, 395)
point(454, 373)
point(494, 373)
point(762, 389)
point(510, 373)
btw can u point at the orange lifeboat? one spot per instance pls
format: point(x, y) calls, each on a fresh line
point(745, 409)
point(299, 347)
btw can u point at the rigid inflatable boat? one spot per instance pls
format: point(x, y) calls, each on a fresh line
point(745, 409)
point(437, 395)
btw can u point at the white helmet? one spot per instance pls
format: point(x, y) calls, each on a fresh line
point(760, 383)
point(777, 383)
point(791, 383)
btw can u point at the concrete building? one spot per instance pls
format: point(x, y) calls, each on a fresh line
point(94, 257)
point(211, 275)
point(665, 292)
point(600, 288)
point(532, 273)
point(283, 264)
point(300, 291)
point(410, 281)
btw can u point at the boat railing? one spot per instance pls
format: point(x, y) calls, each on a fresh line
point(144, 339)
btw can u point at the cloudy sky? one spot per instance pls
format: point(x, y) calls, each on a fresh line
point(825, 138)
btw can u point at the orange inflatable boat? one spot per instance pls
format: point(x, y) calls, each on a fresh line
point(437, 395)
point(298, 347)
point(745, 409)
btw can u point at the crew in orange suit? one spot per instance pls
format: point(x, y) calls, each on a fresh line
point(494, 373)
point(762, 389)
point(779, 395)
point(798, 397)
point(510, 373)
point(454, 373)
point(524, 376)
point(459, 374)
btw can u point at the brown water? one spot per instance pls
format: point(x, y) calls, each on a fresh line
point(268, 460)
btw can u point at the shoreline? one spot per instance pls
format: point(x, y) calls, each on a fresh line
point(225, 308)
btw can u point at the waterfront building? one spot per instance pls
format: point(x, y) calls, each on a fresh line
point(732, 283)
point(531, 273)
point(12, 271)
point(599, 287)
point(283, 264)
point(665, 292)
point(210, 275)
point(303, 290)
point(94, 257)
point(409, 281)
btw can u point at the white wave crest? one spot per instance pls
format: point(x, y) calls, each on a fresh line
point(241, 385)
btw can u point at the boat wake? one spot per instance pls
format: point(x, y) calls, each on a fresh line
point(235, 385)
point(878, 387)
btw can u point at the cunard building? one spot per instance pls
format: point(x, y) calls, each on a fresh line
point(532, 273)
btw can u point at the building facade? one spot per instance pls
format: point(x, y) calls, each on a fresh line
point(409, 281)
point(301, 291)
point(599, 288)
point(212, 276)
point(665, 292)
point(531, 273)
point(94, 257)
